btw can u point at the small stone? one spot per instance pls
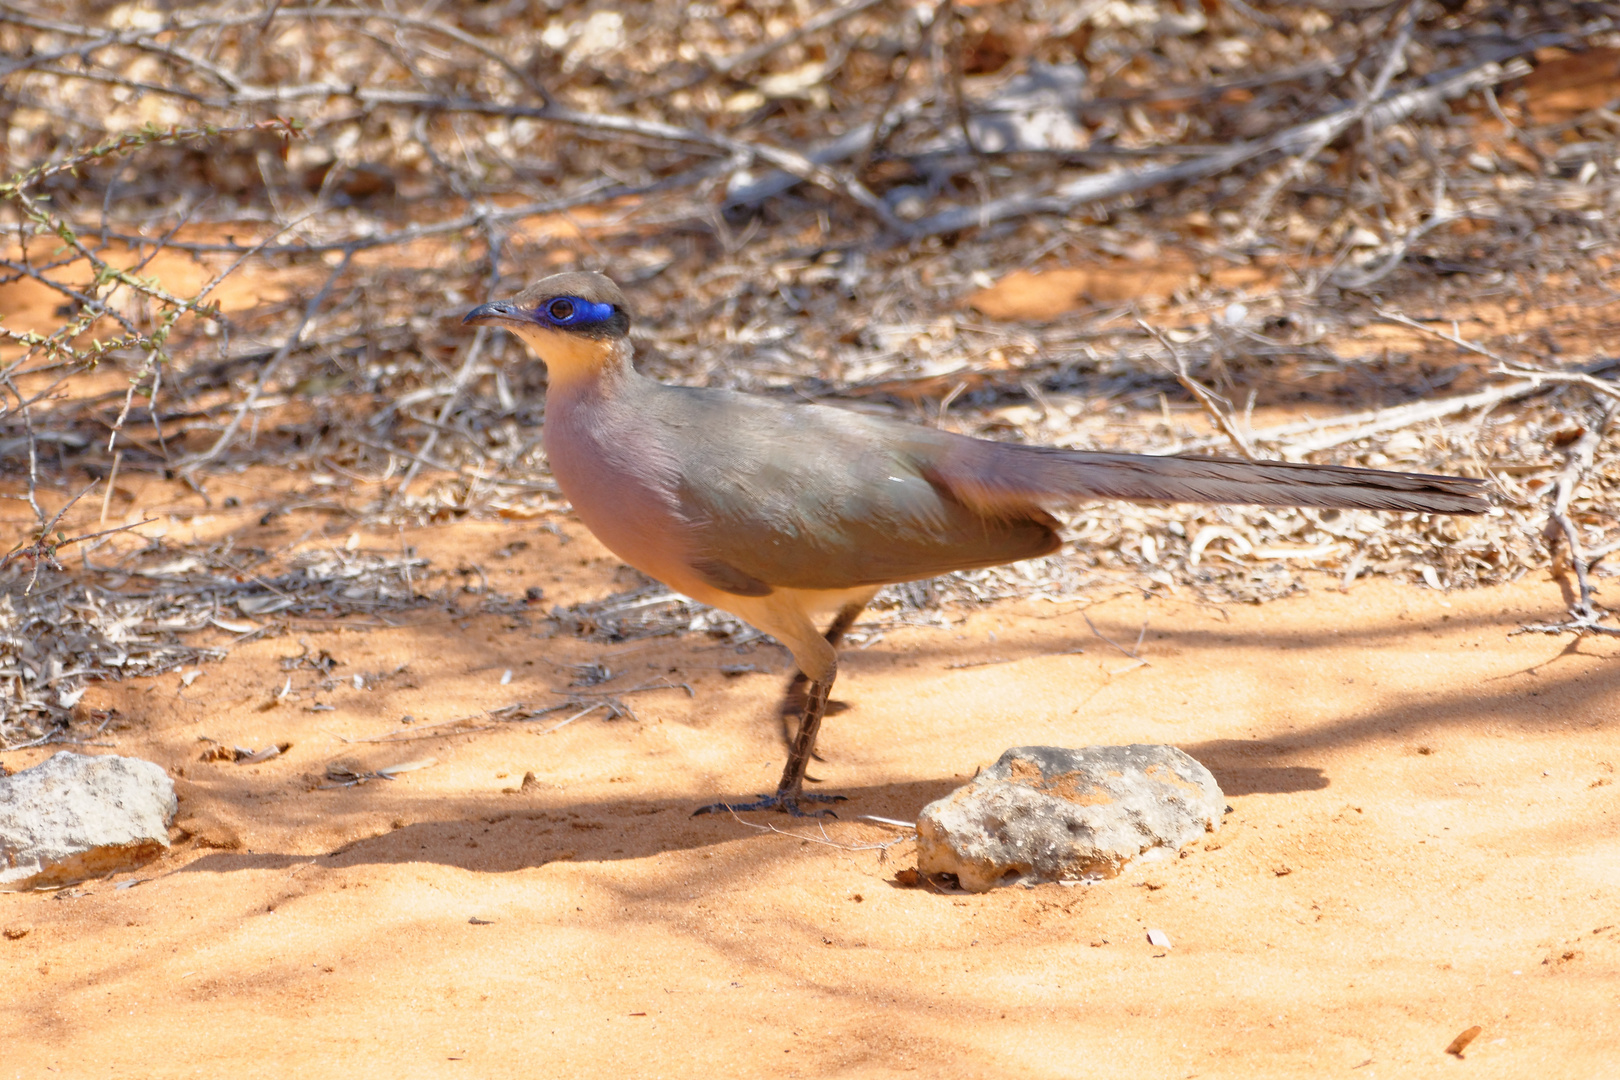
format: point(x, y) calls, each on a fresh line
point(76, 817)
point(1045, 813)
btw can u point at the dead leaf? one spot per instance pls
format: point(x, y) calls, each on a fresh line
point(1460, 1043)
point(344, 774)
point(408, 766)
point(236, 627)
point(244, 755)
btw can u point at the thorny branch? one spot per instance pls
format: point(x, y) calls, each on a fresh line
point(1203, 395)
point(1395, 59)
point(1585, 616)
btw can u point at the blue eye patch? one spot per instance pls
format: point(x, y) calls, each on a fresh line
point(571, 311)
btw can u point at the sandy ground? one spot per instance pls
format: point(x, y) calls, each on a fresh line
point(1424, 837)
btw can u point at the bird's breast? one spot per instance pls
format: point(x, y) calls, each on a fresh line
point(622, 483)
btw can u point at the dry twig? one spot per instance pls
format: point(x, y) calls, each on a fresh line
point(1585, 616)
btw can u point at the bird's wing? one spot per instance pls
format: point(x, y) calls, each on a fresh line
point(808, 497)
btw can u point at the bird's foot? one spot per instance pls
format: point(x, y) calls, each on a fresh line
point(784, 801)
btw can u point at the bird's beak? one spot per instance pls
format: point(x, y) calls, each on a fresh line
point(500, 311)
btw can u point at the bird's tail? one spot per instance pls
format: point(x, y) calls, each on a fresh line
point(1010, 476)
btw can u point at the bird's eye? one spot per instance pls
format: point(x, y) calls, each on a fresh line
point(561, 310)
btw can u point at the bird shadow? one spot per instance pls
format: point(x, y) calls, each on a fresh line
point(506, 833)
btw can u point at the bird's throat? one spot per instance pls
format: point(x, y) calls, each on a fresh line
point(574, 362)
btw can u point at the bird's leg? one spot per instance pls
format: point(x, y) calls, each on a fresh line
point(791, 787)
point(794, 700)
point(790, 790)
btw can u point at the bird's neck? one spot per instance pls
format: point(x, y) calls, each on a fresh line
point(609, 375)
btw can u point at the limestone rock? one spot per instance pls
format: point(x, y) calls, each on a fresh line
point(76, 817)
point(1045, 813)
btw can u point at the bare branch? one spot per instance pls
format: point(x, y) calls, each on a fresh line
point(1090, 189)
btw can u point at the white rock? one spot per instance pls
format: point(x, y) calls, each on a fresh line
point(1045, 813)
point(76, 817)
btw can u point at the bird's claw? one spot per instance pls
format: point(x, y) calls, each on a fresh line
point(787, 804)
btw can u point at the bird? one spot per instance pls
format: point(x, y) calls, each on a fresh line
point(783, 513)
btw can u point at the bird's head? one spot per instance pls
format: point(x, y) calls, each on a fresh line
point(577, 323)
